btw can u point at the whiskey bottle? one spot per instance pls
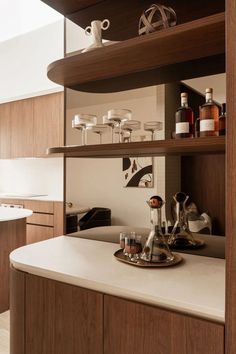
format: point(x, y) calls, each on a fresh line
point(184, 120)
point(209, 119)
point(222, 120)
point(197, 124)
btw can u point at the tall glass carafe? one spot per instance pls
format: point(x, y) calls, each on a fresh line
point(156, 248)
point(181, 236)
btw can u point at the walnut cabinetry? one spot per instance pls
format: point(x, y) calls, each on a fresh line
point(132, 327)
point(30, 126)
point(47, 220)
point(58, 318)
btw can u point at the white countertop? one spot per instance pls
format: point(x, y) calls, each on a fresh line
point(196, 286)
point(29, 196)
point(7, 214)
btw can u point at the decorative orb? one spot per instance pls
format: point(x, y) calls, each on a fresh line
point(155, 18)
point(155, 202)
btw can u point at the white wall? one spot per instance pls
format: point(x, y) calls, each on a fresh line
point(37, 176)
point(99, 182)
point(24, 60)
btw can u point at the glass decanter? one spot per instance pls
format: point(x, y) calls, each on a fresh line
point(156, 249)
point(180, 235)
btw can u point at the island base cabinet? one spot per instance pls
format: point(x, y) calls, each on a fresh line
point(50, 317)
point(132, 327)
point(58, 318)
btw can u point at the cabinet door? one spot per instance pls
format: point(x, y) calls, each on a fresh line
point(5, 131)
point(136, 328)
point(48, 122)
point(22, 128)
point(62, 318)
point(36, 233)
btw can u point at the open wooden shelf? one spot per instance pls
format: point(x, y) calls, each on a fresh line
point(209, 145)
point(166, 50)
point(124, 15)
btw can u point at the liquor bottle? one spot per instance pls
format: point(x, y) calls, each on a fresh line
point(222, 120)
point(197, 124)
point(209, 120)
point(184, 120)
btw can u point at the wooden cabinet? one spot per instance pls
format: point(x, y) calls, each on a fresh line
point(22, 128)
point(47, 220)
point(30, 126)
point(59, 318)
point(12, 236)
point(5, 131)
point(132, 327)
point(48, 122)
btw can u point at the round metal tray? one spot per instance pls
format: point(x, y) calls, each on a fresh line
point(119, 255)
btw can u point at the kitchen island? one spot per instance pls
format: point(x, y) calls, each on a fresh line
point(12, 236)
point(70, 295)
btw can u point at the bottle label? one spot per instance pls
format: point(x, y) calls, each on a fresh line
point(182, 128)
point(207, 125)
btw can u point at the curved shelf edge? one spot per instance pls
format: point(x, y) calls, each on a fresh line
point(208, 145)
point(202, 38)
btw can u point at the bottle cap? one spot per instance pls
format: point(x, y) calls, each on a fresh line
point(209, 90)
point(184, 94)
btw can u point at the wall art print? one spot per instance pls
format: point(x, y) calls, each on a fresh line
point(138, 172)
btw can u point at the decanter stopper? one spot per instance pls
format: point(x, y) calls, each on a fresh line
point(156, 248)
point(181, 236)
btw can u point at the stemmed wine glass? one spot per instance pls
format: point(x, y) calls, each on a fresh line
point(100, 129)
point(130, 126)
point(152, 127)
point(83, 122)
point(110, 124)
point(118, 116)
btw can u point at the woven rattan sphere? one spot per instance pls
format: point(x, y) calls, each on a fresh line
point(155, 18)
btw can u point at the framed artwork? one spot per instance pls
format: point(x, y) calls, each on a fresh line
point(138, 172)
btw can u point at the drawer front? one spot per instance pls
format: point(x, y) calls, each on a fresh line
point(39, 206)
point(35, 233)
point(41, 219)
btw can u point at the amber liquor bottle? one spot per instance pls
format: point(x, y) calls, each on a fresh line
point(184, 119)
point(209, 119)
point(222, 120)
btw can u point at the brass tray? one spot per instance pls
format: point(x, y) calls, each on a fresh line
point(119, 255)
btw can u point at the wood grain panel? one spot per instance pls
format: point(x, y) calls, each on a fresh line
point(231, 179)
point(136, 328)
point(39, 206)
point(12, 236)
point(59, 219)
point(17, 313)
point(36, 233)
point(41, 219)
point(188, 146)
point(202, 38)
point(68, 7)
point(22, 128)
point(48, 122)
point(5, 131)
point(203, 179)
point(62, 318)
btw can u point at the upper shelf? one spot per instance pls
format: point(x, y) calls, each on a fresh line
point(124, 15)
point(209, 145)
point(155, 58)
